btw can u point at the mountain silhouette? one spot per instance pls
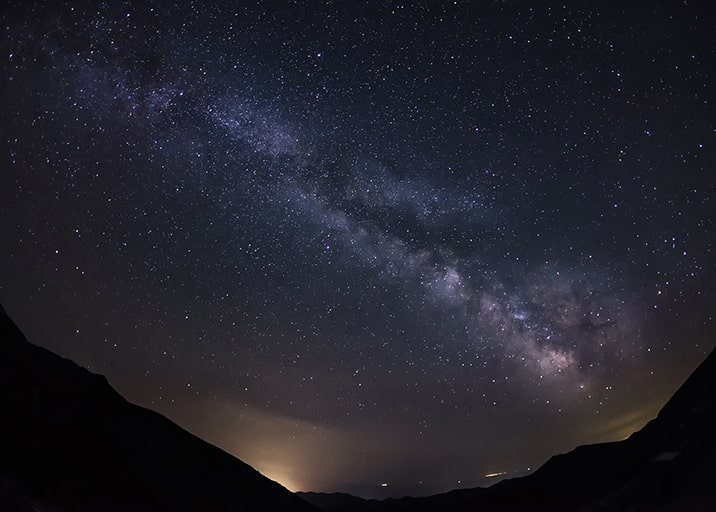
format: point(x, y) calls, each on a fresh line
point(669, 465)
point(70, 442)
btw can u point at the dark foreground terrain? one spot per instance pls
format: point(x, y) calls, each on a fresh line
point(669, 465)
point(69, 442)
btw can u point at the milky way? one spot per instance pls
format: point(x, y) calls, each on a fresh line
point(355, 245)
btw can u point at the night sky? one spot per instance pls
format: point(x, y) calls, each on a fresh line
point(382, 248)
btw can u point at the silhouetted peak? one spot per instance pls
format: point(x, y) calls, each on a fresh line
point(70, 441)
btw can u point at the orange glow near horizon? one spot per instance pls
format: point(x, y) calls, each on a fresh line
point(279, 474)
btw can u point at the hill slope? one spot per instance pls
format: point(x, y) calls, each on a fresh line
point(69, 441)
point(669, 465)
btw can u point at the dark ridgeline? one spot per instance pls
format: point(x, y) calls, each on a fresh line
point(669, 465)
point(70, 442)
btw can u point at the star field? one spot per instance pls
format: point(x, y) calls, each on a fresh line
point(357, 244)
